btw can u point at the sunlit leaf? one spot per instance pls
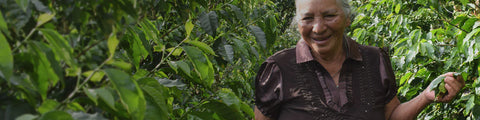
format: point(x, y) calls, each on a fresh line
point(47, 105)
point(96, 77)
point(75, 106)
point(44, 18)
point(112, 44)
point(469, 24)
point(398, 7)
point(120, 64)
point(204, 47)
point(106, 96)
point(188, 28)
point(56, 115)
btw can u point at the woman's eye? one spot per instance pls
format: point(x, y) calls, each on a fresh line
point(329, 16)
point(307, 18)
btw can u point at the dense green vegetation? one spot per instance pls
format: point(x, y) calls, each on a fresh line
point(197, 59)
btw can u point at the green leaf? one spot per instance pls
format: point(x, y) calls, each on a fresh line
point(176, 52)
point(138, 47)
point(120, 64)
point(3, 24)
point(229, 98)
point(47, 106)
point(91, 94)
point(470, 35)
point(45, 67)
point(96, 77)
point(157, 106)
point(56, 115)
point(44, 18)
point(86, 116)
point(247, 109)
point(204, 47)
point(464, 2)
point(60, 46)
point(23, 4)
point(405, 77)
point(6, 63)
point(229, 52)
point(259, 35)
point(130, 93)
point(112, 43)
point(188, 28)
point(469, 24)
point(27, 117)
point(74, 106)
point(223, 110)
point(184, 67)
point(434, 84)
point(150, 31)
point(171, 83)
point(398, 7)
point(40, 6)
point(470, 104)
point(238, 13)
point(202, 65)
point(106, 96)
point(209, 22)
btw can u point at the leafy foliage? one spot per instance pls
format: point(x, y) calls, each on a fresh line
point(426, 39)
point(159, 59)
point(132, 59)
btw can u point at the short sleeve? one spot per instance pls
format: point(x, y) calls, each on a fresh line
point(268, 89)
point(387, 76)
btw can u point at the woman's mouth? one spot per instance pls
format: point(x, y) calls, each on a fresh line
point(321, 40)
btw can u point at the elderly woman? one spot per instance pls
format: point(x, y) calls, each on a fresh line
point(330, 76)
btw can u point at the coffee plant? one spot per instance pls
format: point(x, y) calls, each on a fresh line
point(197, 59)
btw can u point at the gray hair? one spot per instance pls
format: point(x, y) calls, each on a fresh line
point(342, 3)
point(347, 10)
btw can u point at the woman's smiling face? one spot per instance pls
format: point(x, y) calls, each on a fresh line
point(321, 24)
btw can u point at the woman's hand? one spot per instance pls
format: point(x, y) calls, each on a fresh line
point(453, 86)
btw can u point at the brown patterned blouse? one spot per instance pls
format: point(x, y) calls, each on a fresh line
point(291, 85)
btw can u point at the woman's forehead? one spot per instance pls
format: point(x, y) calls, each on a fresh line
point(316, 6)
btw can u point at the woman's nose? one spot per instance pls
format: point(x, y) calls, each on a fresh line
point(319, 27)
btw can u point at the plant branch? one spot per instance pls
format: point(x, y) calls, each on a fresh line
point(88, 48)
point(169, 31)
point(454, 25)
point(168, 55)
point(24, 40)
point(70, 96)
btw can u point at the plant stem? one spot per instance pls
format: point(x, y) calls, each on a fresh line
point(24, 40)
point(70, 96)
point(168, 55)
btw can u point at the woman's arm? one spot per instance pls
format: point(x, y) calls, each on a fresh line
point(409, 110)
